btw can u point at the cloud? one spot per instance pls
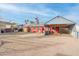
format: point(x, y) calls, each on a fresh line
point(39, 9)
point(9, 8)
point(73, 13)
point(73, 17)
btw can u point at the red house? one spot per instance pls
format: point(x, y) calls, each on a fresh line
point(59, 25)
point(34, 28)
point(37, 28)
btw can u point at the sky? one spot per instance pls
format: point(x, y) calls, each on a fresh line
point(19, 12)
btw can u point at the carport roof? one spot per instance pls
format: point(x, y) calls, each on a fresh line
point(59, 20)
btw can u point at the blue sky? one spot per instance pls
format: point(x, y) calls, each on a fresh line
point(44, 11)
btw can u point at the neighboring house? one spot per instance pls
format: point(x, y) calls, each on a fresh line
point(7, 26)
point(37, 27)
point(34, 27)
point(75, 31)
point(4, 25)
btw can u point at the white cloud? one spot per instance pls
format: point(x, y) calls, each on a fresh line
point(9, 7)
point(73, 14)
point(73, 17)
point(43, 11)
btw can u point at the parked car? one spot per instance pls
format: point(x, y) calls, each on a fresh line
point(9, 30)
point(2, 31)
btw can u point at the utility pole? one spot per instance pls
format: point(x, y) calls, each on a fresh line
point(37, 20)
point(37, 23)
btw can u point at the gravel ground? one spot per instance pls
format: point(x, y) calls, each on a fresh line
point(36, 44)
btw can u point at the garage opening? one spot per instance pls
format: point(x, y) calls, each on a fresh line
point(60, 25)
point(59, 28)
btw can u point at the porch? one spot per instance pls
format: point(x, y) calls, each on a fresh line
point(59, 28)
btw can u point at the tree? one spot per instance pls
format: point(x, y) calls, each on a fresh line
point(26, 21)
point(37, 20)
point(32, 22)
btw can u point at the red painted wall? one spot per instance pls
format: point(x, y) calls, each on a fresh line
point(40, 29)
point(57, 29)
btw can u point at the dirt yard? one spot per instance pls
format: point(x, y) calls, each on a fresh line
point(36, 44)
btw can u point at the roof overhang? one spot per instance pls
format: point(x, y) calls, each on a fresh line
point(59, 20)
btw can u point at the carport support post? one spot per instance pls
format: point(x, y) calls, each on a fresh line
point(77, 35)
point(46, 30)
point(50, 29)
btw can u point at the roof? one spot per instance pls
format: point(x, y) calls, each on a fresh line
point(59, 20)
point(3, 21)
point(34, 24)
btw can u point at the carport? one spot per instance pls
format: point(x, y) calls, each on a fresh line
point(59, 25)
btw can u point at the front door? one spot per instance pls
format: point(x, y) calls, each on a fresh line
point(57, 29)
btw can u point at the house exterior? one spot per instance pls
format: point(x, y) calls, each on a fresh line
point(37, 29)
point(7, 26)
point(34, 28)
point(75, 31)
point(61, 25)
point(4, 25)
point(57, 25)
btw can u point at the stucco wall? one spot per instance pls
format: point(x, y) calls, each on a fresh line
point(75, 31)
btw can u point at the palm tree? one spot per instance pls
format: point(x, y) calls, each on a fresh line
point(32, 22)
point(26, 21)
point(37, 20)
